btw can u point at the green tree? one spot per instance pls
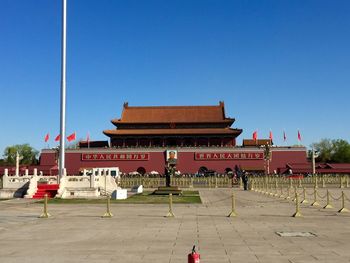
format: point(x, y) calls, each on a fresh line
point(341, 152)
point(324, 149)
point(27, 154)
point(337, 151)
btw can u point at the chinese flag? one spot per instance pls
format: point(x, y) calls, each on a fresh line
point(299, 136)
point(47, 137)
point(71, 137)
point(255, 135)
point(284, 136)
point(271, 136)
point(58, 137)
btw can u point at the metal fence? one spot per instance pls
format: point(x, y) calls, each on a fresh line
point(193, 182)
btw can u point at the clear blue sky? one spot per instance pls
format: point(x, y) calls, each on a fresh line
point(276, 64)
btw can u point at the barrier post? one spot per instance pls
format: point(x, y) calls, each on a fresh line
point(343, 209)
point(240, 183)
point(233, 209)
point(297, 208)
point(45, 214)
point(328, 205)
point(276, 186)
point(347, 181)
point(108, 213)
point(170, 213)
point(290, 183)
point(304, 201)
point(216, 182)
point(315, 203)
point(281, 192)
point(316, 183)
point(288, 194)
point(295, 192)
point(341, 182)
point(299, 183)
point(323, 182)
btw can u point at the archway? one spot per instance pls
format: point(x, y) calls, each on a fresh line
point(202, 170)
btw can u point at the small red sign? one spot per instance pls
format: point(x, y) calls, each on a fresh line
point(229, 156)
point(115, 156)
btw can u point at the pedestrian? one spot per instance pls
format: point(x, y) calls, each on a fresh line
point(245, 180)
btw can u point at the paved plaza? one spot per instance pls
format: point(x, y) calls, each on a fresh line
point(141, 233)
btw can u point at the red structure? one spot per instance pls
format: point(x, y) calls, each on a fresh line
point(201, 137)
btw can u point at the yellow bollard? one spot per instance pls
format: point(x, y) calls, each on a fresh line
point(299, 183)
point(297, 208)
point(347, 181)
point(288, 194)
point(45, 214)
point(304, 201)
point(323, 182)
point(108, 213)
point(281, 192)
point(170, 213)
point(316, 183)
point(295, 192)
point(276, 188)
point(240, 182)
point(328, 205)
point(290, 183)
point(216, 182)
point(343, 209)
point(233, 210)
point(315, 203)
point(341, 182)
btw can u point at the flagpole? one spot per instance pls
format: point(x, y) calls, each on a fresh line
point(63, 92)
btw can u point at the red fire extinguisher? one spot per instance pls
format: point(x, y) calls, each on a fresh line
point(193, 257)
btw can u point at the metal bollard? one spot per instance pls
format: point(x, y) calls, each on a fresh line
point(288, 194)
point(233, 209)
point(316, 183)
point(240, 182)
point(170, 213)
point(343, 209)
point(297, 208)
point(45, 214)
point(281, 192)
point(315, 203)
point(323, 182)
point(328, 205)
point(304, 201)
point(341, 182)
point(108, 213)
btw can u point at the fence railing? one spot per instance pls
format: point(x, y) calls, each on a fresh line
point(196, 182)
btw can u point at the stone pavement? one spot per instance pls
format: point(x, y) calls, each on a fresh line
point(141, 233)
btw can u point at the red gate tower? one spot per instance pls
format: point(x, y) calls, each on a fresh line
point(173, 126)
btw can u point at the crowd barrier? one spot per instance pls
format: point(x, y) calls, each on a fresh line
point(296, 191)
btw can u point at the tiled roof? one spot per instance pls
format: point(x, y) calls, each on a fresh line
point(173, 114)
point(211, 131)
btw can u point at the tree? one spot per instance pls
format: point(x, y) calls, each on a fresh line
point(324, 149)
point(337, 151)
point(341, 151)
point(27, 153)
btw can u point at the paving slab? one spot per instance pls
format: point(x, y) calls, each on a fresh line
point(141, 233)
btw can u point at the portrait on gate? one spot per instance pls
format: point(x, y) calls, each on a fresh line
point(171, 156)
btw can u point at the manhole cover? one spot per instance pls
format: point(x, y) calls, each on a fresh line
point(296, 234)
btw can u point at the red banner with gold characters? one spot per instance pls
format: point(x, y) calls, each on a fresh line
point(115, 156)
point(229, 156)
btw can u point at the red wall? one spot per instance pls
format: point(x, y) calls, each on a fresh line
point(186, 160)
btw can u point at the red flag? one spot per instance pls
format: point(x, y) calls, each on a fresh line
point(299, 136)
point(58, 137)
point(88, 137)
point(271, 136)
point(71, 137)
point(255, 135)
point(284, 136)
point(47, 137)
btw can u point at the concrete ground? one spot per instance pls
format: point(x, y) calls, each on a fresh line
point(141, 233)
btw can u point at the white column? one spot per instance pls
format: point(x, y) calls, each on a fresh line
point(17, 164)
